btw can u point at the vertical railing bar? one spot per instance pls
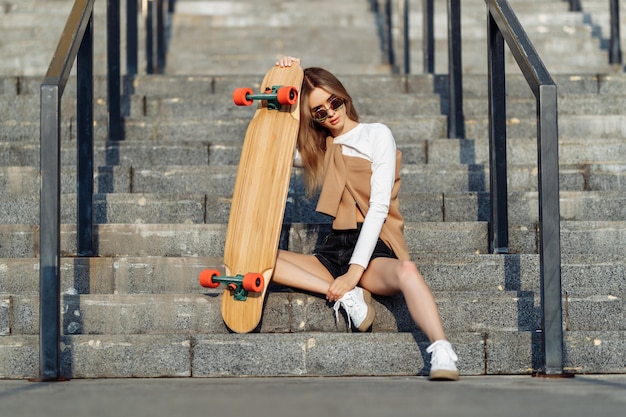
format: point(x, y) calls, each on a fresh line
point(499, 222)
point(113, 70)
point(50, 233)
point(149, 38)
point(132, 36)
point(456, 122)
point(160, 35)
point(549, 229)
point(428, 37)
point(389, 34)
point(615, 48)
point(574, 5)
point(407, 37)
point(85, 163)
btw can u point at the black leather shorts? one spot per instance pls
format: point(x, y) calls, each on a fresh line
point(337, 249)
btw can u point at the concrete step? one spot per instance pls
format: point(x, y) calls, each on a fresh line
point(207, 240)
point(304, 354)
point(570, 126)
point(26, 108)
point(242, 41)
point(218, 181)
point(293, 312)
point(220, 144)
point(366, 85)
point(137, 208)
point(573, 151)
point(579, 104)
point(404, 128)
point(444, 272)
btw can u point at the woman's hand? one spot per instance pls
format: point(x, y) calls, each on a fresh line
point(286, 61)
point(345, 283)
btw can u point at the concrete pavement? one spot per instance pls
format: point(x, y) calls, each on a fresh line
point(511, 396)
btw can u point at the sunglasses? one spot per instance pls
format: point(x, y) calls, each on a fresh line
point(320, 114)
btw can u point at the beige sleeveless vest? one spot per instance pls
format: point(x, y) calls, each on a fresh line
point(345, 196)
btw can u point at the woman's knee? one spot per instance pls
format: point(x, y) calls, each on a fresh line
point(408, 273)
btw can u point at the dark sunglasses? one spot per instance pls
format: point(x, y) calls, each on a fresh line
point(320, 114)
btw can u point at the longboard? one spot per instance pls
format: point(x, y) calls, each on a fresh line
point(259, 197)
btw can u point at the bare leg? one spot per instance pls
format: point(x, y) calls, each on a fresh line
point(304, 272)
point(386, 276)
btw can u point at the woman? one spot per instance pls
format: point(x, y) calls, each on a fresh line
point(356, 166)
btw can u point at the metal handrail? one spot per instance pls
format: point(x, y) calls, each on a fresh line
point(76, 44)
point(503, 26)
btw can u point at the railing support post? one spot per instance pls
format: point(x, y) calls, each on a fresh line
point(615, 48)
point(113, 70)
point(149, 11)
point(550, 230)
point(160, 35)
point(50, 234)
point(84, 116)
point(456, 122)
point(428, 36)
point(406, 37)
point(499, 222)
point(132, 55)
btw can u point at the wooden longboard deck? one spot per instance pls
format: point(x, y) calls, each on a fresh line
point(259, 198)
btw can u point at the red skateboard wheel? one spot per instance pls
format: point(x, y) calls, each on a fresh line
point(206, 278)
point(253, 282)
point(240, 96)
point(287, 95)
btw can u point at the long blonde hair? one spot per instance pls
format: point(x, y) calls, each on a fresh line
point(312, 135)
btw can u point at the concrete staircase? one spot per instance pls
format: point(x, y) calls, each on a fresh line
point(136, 310)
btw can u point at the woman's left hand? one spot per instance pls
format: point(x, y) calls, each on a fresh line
point(286, 61)
point(345, 283)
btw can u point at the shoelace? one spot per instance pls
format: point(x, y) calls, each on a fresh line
point(345, 303)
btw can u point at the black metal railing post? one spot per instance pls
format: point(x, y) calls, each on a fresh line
point(85, 163)
point(615, 48)
point(549, 229)
point(503, 19)
point(149, 31)
point(428, 36)
point(160, 35)
point(50, 233)
point(499, 224)
point(75, 45)
point(113, 70)
point(574, 5)
point(456, 121)
point(132, 36)
point(406, 44)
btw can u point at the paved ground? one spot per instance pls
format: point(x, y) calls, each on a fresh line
point(303, 397)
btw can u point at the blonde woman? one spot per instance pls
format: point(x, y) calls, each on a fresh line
point(356, 166)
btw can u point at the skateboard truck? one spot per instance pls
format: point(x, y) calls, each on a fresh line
point(239, 284)
point(275, 96)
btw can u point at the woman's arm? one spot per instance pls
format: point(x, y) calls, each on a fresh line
point(383, 155)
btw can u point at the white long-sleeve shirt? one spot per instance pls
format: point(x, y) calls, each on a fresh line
point(375, 143)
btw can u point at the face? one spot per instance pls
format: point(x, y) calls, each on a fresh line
point(321, 103)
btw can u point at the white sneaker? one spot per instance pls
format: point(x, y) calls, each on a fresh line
point(442, 362)
point(358, 305)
